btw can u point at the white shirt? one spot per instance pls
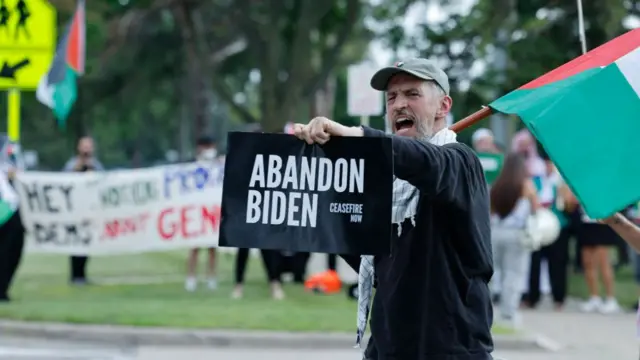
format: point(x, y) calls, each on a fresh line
point(7, 193)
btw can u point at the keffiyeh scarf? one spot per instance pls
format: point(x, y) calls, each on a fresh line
point(405, 204)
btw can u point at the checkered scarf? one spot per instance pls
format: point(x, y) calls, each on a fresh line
point(405, 204)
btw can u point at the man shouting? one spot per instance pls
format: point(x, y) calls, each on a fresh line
point(432, 299)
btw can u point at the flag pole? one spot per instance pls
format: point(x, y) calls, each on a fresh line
point(581, 31)
point(477, 116)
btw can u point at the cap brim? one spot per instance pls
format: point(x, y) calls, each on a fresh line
point(380, 79)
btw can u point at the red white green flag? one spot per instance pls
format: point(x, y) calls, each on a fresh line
point(586, 115)
point(57, 88)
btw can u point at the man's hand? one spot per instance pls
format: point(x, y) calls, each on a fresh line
point(320, 129)
point(80, 162)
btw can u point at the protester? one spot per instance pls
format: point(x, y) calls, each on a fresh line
point(596, 239)
point(524, 143)
point(513, 200)
point(206, 153)
point(83, 161)
point(432, 299)
point(270, 261)
point(482, 141)
point(556, 196)
point(11, 234)
point(633, 214)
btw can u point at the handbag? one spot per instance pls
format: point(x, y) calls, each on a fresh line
point(541, 229)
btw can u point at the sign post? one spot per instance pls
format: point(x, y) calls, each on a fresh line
point(27, 47)
point(362, 99)
point(13, 118)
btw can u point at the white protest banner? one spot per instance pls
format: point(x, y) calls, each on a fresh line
point(124, 211)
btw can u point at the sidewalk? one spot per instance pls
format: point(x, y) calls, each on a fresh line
point(585, 336)
point(143, 336)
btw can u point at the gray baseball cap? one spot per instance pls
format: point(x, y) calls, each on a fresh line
point(421, 68)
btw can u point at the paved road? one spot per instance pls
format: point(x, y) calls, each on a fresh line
point(23, 349)
point(579, 337)
point(18, 349)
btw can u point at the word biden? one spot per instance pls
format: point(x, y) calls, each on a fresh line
point(299, 176)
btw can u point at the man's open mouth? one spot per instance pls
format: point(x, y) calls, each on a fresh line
point(403, 123)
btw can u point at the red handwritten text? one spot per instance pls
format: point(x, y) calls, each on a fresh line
point(188, 221)
point(125, 226)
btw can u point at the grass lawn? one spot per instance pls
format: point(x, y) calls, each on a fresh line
point(41, 293)
point(626, 288)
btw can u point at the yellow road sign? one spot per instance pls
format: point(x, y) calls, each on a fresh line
point(27, 42)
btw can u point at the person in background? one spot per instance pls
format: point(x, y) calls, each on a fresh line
point(270, 259)
point(555, 195)
point(270, 262)
point(513, 200)
point(83, 161)
point(596, 239)
point(525, 144)
point(632, 213)
point(482, 141)
point(206, 153)
point(11, 233)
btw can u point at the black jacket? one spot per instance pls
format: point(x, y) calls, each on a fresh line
point(432, 300)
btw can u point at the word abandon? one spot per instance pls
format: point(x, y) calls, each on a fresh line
point(291, 201)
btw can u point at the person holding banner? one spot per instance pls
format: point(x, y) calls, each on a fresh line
point(432, 299)
point(205, 152)
point(83, 161)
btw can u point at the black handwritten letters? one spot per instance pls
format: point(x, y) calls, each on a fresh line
point(43, 200)
point(134, 193)
point(48, 198)
point(60, 233)
point(280, 193)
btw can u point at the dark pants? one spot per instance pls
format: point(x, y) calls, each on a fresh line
point(11, 244)
point(296, 264)
point(269, 259)
point(79, 268)
point(557, 255)
point(332, 261)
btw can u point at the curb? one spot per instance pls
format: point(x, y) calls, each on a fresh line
point(149, 336)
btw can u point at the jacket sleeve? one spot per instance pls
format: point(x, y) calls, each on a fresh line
point(448, 173)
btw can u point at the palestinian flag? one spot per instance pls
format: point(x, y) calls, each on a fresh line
point(57, 88)
point(586, 115)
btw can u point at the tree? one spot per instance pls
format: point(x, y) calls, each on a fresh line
point(535, 35)
point(294, 45)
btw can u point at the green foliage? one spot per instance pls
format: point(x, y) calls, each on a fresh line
point(160, 72)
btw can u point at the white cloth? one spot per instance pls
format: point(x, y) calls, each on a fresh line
point(405, 204)
point(7, 193)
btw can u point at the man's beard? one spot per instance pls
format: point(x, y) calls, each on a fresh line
point(424, 130)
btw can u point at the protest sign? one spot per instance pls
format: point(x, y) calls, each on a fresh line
point(283, 194)
point(492, 165)
point(125, 211)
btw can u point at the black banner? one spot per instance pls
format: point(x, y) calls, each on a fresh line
point(280, 193)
